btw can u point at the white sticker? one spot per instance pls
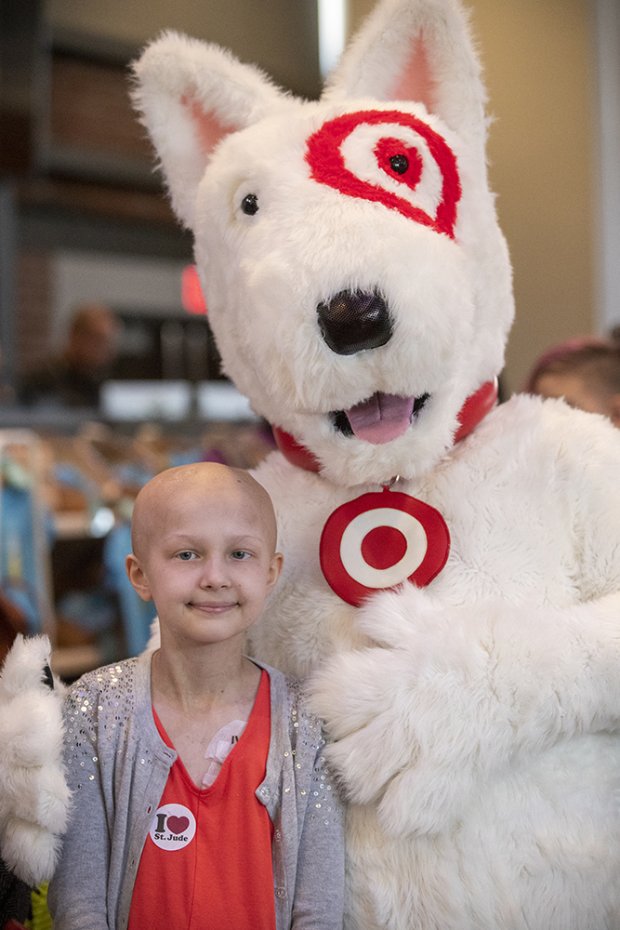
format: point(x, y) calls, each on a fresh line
point(173, 827)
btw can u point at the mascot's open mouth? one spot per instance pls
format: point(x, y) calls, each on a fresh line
point(380, 418)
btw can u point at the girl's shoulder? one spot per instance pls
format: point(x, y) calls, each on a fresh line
point(108, 692)
point(114, 677)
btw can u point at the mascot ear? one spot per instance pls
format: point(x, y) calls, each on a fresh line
point(190, 95)
point(419, 51)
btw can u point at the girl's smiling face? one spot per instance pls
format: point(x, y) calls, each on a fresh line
point(204, 552)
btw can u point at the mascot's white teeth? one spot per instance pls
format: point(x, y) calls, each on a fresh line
point(380, 418)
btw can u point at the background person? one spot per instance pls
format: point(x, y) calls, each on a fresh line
point(584, 371)
point(74, 377)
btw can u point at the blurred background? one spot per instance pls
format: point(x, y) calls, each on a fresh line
point(83, 219)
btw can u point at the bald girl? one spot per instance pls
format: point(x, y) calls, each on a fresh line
point(191, 484)
point(202, 804)
point(203, 539)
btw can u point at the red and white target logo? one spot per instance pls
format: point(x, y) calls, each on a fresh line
point(379, 540)
point(392, 158)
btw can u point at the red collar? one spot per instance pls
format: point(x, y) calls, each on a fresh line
point(472, 412)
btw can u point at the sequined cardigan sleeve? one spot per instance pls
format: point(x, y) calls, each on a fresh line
point(117, 766)
point(308, 817)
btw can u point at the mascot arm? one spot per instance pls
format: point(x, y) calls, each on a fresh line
point(448, 696)
point(34, 797)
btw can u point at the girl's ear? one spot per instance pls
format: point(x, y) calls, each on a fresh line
point(191, 95)
point(417, 51)
point(275, 568)
point(137, 578)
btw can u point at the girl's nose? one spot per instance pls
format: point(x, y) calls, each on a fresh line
point(214, 574)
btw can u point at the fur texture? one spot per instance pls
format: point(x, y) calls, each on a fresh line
point(34, 798)
point(474, 722)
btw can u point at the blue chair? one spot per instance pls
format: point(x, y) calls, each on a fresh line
point(26, 531)
point(136, 614)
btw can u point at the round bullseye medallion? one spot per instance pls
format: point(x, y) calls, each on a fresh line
point(379, 540)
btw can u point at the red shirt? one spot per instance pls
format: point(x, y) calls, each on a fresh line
point(206, 863)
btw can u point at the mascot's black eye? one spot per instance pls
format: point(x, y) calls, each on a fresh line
point(399, 163)
point(249, 204)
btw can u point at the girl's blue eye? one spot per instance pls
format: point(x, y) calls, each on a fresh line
point(186, 556)
point(240, 554)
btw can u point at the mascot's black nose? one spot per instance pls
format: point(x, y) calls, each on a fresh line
point(352, 321)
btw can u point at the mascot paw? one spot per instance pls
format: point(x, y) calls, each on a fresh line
point(39, 796)
point(407, 716)
point(26, 668)
point(29, 851)
point(34, 797)
point(29, 727)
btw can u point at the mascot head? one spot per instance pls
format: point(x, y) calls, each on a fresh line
point(356, 279)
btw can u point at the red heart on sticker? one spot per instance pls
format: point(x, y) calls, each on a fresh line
point(177, 825)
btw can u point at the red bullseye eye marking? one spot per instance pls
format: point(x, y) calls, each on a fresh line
point(379, 540)
point(327, 165)
point(388, 149)
point(383, 547)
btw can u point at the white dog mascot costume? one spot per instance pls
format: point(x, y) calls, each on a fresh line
point(359, 290)
point(452, 568)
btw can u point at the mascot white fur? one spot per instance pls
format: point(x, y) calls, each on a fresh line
point(359, 290)
point(33, 793)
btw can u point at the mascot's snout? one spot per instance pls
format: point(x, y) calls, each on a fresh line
point(352, 321)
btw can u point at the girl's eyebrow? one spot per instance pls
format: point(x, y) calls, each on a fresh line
point(233, 539)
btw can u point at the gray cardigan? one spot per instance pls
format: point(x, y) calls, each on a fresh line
point(117, 766)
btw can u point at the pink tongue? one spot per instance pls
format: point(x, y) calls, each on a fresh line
point(381, 418)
